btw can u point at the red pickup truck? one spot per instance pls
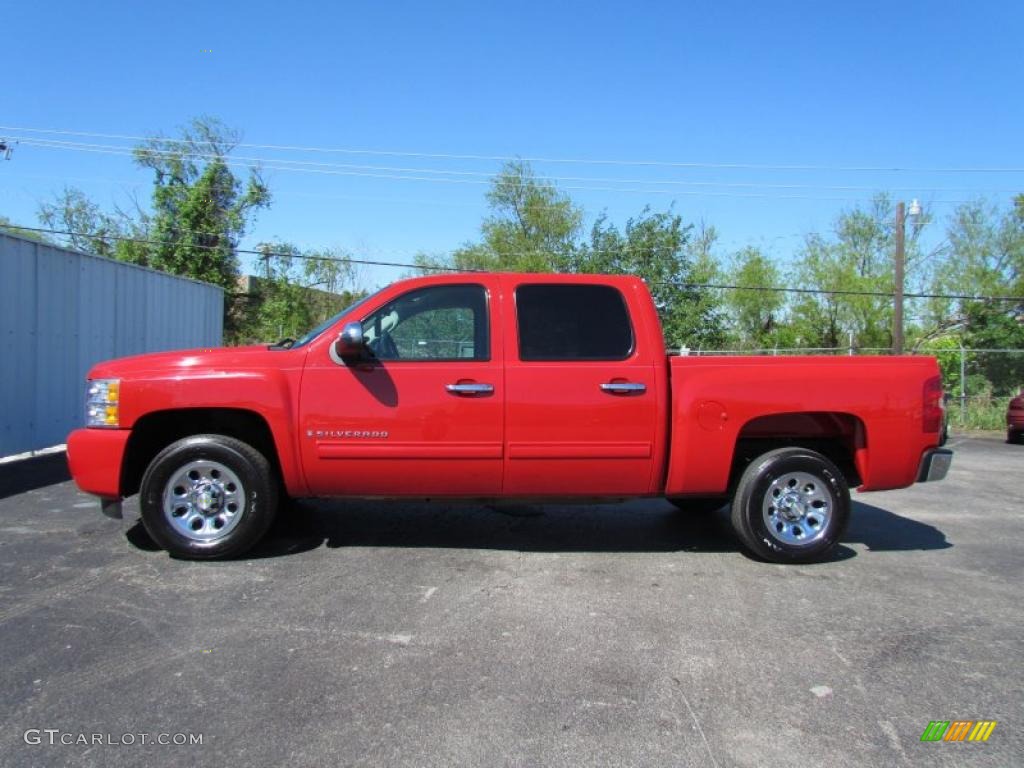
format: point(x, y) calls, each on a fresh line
point(497, 386)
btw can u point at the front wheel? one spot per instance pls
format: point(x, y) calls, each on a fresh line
point(207, 497)
point(791, 506)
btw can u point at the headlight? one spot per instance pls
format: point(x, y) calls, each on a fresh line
point(102, 401)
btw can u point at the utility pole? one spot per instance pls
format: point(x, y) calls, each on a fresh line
point(899, 276)
point(897, 305)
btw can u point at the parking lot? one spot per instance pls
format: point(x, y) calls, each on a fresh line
point(430, 634)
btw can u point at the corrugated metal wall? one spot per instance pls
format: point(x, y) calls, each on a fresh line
point(63, 311)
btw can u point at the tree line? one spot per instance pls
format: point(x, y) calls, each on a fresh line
point(200, 209)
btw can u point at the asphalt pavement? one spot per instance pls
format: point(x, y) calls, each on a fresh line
point(399, 634)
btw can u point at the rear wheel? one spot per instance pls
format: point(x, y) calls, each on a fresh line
point(791, 506)
point(1014, 436)
point(208, 496)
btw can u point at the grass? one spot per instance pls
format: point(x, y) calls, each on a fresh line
point(978, 413)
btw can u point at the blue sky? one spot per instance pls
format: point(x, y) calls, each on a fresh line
point(909, 85)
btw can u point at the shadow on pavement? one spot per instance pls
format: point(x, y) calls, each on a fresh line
point(884, 531)
point(30, 474)
point(654, 527)
point(645, 527)
point(139, 538)
point(523, 527)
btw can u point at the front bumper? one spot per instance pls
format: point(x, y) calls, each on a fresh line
point(95, 457)
point(934, 465)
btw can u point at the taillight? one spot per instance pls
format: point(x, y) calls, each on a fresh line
point(932, 413)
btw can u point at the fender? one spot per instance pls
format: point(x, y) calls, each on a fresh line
point(259, 380)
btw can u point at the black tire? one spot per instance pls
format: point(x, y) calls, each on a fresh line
point(1014, 437)
point(698, 505)
point(256, 510)
point(760, 512)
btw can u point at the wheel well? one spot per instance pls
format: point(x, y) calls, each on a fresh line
point(155, 431)
point(838, 436)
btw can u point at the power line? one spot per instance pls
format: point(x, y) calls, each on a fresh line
point(564, 160)
point(840, 292)
point(303, 164)
point(250, 251)
point(289, 166)
point(208, 233)
point(439, 268)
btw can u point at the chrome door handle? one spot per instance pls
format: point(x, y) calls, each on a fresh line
point(623, 387)
point(470, 389)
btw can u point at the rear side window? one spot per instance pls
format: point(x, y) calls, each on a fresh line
point(572, 322)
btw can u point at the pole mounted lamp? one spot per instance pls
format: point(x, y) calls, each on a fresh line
point(898, 273)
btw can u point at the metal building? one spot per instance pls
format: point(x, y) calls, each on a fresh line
point(62, 311)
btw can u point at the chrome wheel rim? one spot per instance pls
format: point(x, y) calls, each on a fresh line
point(204, 500)
point(797, 508)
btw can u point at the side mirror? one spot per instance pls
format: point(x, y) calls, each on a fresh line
point(350, 343)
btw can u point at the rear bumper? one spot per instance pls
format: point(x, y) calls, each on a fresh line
point(934, 465)
point(95, 457)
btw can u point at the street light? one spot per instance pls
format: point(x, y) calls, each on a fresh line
point(897, 309)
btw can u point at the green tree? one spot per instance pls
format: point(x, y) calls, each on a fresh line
point(532, 227)
point(990, 326)
point(657, 248)
point(200, 208)
point(858, 256)
point(283, 309)
point(754, 316)
point(91, 230)
point(13, 229)
point(985, 252)
point(295, 291)
point(984, 257)
point(330, 280)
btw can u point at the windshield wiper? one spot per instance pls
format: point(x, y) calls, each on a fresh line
point(282, 344)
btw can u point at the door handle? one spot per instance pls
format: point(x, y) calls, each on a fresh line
point(470, 389)
point(623, 387)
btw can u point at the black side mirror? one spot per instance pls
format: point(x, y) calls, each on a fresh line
point(350, 343)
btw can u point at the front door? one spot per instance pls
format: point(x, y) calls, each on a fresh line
point(422, 415)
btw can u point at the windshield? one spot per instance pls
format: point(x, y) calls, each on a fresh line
point(310, 335)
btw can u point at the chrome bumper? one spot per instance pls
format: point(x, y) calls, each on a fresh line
point(934, 465)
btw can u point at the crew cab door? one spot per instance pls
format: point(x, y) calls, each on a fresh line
point(581, 386)
point(422, 414)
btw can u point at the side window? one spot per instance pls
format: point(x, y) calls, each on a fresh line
point(443, 322)
point(572, 322)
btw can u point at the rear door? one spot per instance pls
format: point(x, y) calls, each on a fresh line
point(582, 405)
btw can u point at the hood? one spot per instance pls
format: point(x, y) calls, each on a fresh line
point(186, 361)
